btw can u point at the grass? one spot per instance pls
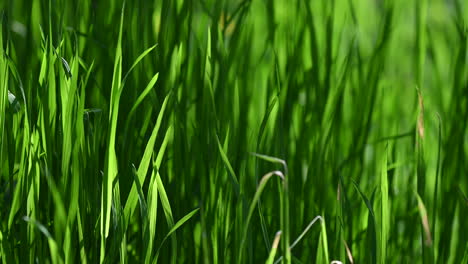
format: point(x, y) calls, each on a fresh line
point(216, 131)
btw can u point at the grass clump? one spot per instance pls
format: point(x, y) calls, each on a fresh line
point(145, 132)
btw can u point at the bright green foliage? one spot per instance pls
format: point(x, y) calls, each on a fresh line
point(233, 131)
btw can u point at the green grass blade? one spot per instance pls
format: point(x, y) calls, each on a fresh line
point(142, 55)
point(175, 227)
point(140, 99)
point(152, 212)
point(428, 257)
point(385, 221)
point(141, 196)
point(324, 238)
point(232, 174)
point(253, 204)
point(54, 249)
point(144, 164)
point(112, 167)
point(274, 247)
point(272, 160)
point(371, 226)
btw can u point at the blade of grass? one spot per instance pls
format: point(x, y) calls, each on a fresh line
point(111, 162)
point(53, 247)
point(142, 56)
point(152, 212)
point(253, 204)
point(274, 247)
point(299, 238)
point(232, 174)
point(385, 221)
point(371, 228)
point(174, 228)
point(144, 164)
point(162, 193)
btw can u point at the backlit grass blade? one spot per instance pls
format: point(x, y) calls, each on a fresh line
point(371, 225)
point(111, 162)
point(272, 160)
point(118, 245)
point(175, 227)
point(437, 177)
point(140, 98)
point(142, 55)
point(259, 139)
point(4, 94)
point(232, 174)
point(163, 196)
point(385, 214)
point(60, 212)
point(81, 241)
point(53, 247)
point(298, 239)
point(141, 196)
point(253, 204)
point(465, 256)
point(152, 213)
point(306, 230)
point(274, 247)
point(144, 164)
point(324, 240)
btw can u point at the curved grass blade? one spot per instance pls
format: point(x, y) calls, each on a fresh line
point(14, 103)
point(298, 239)
point(253, 204)
point(175, 227)
point(139, 100)
point(54, 249)
point(66, 67)
point(318, 217)
point(272, 160)
point(142, 55)
point(437, 176)
point(143, 168)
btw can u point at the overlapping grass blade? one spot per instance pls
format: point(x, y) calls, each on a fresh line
point(371, 225)
point(253, 204)
point(111, 161)
point(385, 214)
point(145, 163)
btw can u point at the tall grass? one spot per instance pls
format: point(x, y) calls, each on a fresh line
point(218, 131)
